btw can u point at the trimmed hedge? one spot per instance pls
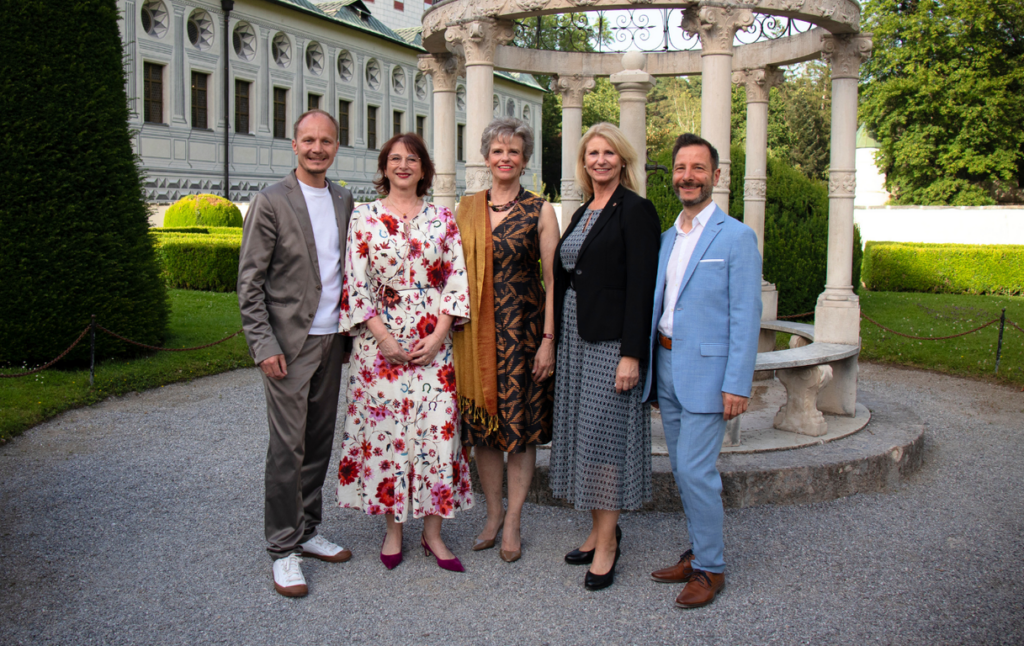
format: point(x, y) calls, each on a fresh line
point(203, 262)
point(795, 228)
point(944, 268)
point(73, 218)
point(203, 210)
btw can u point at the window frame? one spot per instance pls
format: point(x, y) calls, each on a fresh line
point(149, 97)
point(200, 100)
point(344, 123)
point(283, 120)
point(371, 127)
point(248, 114)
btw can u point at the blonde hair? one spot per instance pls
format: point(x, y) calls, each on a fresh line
point(631, 175)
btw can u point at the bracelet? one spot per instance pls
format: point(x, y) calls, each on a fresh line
point(549, 336)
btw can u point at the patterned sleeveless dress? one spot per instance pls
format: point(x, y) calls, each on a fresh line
point(524, 407)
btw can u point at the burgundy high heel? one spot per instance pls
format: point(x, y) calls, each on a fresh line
point(390, 561)
point(452, 564)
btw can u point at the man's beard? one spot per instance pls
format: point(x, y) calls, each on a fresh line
point(705, 192)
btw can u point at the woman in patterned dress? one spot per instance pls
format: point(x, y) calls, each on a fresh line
point(605, 269)
point(404, 288)
point(505, 356)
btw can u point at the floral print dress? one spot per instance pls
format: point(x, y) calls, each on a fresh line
point(400, 450)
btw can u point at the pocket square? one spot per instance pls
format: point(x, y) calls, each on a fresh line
point(714, 260)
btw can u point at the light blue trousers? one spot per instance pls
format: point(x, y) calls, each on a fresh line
point(694, 441)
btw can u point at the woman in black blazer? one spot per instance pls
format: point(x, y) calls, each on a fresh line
point(605, 268)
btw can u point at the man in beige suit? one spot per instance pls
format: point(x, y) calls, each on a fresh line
point(289, 292)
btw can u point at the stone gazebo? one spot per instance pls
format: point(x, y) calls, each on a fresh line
point(468, 38)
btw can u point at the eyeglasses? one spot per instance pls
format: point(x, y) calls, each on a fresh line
point(395, 160)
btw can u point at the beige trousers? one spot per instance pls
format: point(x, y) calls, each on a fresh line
point(302, 410)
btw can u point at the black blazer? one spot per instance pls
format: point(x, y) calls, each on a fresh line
point(615, 274)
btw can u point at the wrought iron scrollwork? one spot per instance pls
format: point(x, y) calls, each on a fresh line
point(646, 30)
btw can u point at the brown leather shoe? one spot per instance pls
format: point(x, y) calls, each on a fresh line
point(678, 573)
point(701, 589)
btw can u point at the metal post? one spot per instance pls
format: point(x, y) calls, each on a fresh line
point(227, 6)
point(999, 346)
point(92, 351)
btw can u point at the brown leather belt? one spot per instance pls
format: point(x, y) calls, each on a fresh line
point(664, 341)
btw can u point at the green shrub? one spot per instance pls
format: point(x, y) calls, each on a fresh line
point(179, 230)
point(795, 229)
point(73, 220)
point(203, 210)
point(944, 268)
point(203, 262)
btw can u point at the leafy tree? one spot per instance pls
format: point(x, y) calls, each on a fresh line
point(561, 32)
point(804, 105)
point(73, 223)
point(601, 104)
point(944, 97)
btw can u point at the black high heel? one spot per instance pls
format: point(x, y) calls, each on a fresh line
point(600, 581)
point(579, 557)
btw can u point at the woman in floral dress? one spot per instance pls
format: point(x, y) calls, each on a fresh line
point(405, 287)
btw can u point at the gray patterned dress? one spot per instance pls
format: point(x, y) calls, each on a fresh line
point(601, 450)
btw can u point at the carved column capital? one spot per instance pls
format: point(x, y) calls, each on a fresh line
point(715, 26)
point(475, 41)
point(444, 69)
point(755, 188)
point(842, 183)
point(758, 82)
point(572, 87)
point(845, 53)
point(570, 191)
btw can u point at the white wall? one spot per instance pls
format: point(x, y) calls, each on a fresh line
point(948, 224)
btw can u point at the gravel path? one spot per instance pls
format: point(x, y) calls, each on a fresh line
point(139, 521)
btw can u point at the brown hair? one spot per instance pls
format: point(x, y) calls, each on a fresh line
point(415, 145)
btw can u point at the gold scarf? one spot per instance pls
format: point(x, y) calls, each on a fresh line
point(476, 357)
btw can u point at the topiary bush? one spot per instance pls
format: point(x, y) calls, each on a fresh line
point(944, 268)
point(795, 230)
point(203, 210)
point(203, 262)
point(73, 221)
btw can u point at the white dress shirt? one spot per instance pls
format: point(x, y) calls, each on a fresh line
point(677, 262)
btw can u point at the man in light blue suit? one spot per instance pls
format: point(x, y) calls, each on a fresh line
point(704, 332)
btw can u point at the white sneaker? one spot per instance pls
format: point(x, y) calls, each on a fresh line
point(319, 547)
point(288, 579)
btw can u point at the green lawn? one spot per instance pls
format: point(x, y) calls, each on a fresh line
point(196, 318)
point(932, 315)
point(202, 317)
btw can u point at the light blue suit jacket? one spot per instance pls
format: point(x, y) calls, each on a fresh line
point(717, 320)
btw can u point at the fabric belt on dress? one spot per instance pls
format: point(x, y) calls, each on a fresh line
point(664, 341)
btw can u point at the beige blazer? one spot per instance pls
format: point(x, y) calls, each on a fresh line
point(278, 270)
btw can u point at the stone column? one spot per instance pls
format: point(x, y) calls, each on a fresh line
point(180, 83)
point(837, 315)
point(633, 84)
point(716, 27)
point(474, 42)
point(758, 83)
point(572, 88)
point(444, 70)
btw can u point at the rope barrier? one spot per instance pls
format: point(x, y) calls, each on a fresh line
point(1019, 328)
point(62, 355)
point(927, 338)
point(153, 347)
point(116, 336)
point(795, 316)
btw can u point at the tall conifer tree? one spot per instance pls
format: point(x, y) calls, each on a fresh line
point(73, 222)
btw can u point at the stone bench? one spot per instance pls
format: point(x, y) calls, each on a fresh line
point(806, 369)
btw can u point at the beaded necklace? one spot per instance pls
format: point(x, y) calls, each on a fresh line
point(499, 208)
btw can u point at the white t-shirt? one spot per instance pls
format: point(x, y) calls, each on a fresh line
point(328, 252)
point(677, 262)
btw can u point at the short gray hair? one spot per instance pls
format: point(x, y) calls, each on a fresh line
point(507, 128)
